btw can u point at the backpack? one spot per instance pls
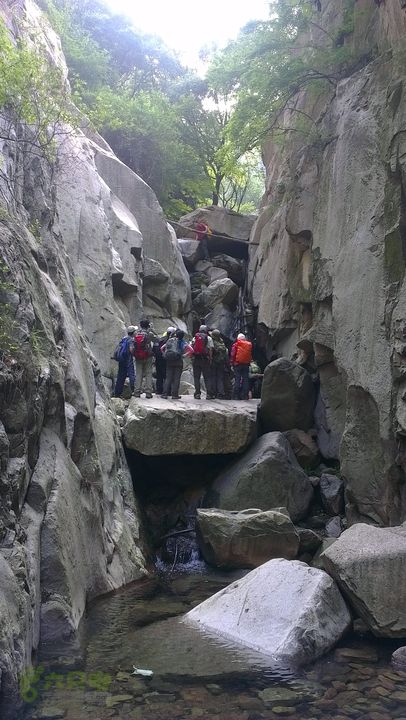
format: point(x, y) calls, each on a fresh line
point(142, 346)
point(121, 351)
point(243, 355)
point(173, 349)
point(219, 352)
point(200, 345)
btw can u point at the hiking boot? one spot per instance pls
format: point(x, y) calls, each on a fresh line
point(210, 397)
point(197, 396)
point(137, 394)
point(176, 397)
point(148, 396)
point(164, 397)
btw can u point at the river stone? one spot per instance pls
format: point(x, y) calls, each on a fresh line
point(267, 476)
point(309, 541)
point(304, 447)
point(332, 494)
point(369, 564)
point(287, 397)
point(189, 426)
point(273, 611)
point(333, 527)
point(398, 659)
point(246, 538)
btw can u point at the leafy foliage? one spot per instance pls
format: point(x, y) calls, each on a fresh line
point(8, 346)
point(271, 61)
point(35, 105)
point(154, 112)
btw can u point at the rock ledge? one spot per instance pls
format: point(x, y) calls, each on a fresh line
point(189, 427)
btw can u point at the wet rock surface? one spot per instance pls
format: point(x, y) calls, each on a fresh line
point(361, 684)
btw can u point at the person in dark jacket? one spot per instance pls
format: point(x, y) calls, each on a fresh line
point(126, 365)
point(174, 350)
point(217, 367)
point(160, 362)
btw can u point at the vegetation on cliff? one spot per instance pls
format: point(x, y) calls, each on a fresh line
point(160, 118)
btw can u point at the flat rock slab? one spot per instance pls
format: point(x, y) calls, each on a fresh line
point(284, 609)
point(189, 426)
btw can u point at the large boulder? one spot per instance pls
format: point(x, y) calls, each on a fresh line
point(222, 291)
point(369, 565)
point(191, 251)
point(268, 476)
point(246, 538)
point(221, 220)
point(189, 427)
point(233, 267)
point(283, 608)
point(287, 397)
point(223, 319)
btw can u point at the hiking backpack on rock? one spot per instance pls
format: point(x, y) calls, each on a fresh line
point(200, 345)
point(142, 346)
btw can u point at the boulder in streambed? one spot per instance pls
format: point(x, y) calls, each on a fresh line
point(266, 477)
point(283, 608)
point(189, 426)
point(287, 397)
point(246, 538)
point(369, 565)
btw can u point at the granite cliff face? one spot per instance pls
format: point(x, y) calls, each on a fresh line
point(85, 250)
point(328, 257)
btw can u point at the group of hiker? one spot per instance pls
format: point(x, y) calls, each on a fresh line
point(226, 375)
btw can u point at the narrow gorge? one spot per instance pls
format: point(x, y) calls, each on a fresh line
point(274, 527)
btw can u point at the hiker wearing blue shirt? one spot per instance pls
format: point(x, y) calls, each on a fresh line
point(123, 354)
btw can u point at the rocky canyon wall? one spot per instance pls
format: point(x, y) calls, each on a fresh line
point(85, 250)
point(328, 253)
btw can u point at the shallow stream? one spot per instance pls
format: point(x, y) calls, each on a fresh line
point(195, 676)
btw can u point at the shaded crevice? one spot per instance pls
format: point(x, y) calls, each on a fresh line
point(170, 489)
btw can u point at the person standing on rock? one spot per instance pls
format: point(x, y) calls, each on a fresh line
point(142, 351)
point(202, 233)
point(217, 367)
point(174, 350)
point(202, 345)
point(241, 358)
point(160, 362)
point(124, 357)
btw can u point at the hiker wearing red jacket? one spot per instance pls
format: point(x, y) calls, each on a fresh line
point(241, 357)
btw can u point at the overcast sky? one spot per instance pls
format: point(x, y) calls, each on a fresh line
point(187, 25)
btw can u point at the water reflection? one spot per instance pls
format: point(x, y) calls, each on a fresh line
point(198, 675)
